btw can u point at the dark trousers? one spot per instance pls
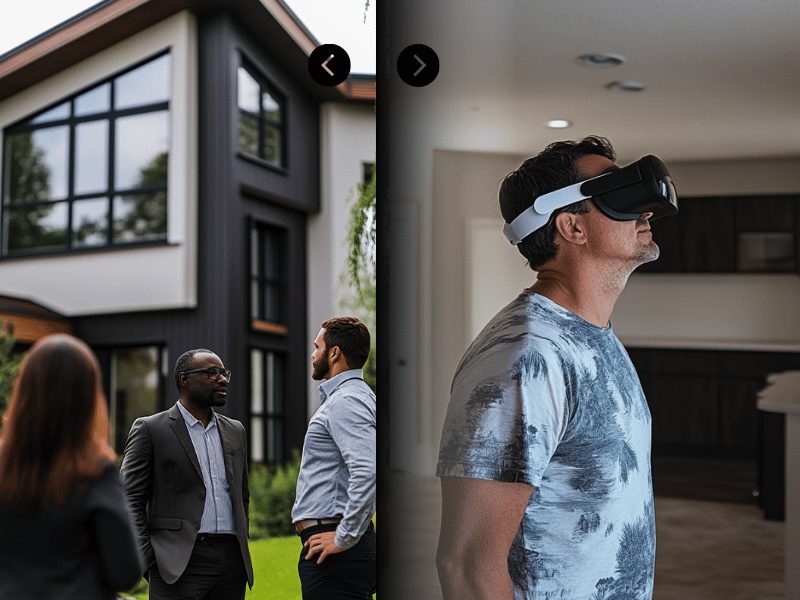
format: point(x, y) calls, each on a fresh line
point(215, 572)
point(349, 575)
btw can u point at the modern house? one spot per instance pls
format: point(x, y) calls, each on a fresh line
point(173, 178)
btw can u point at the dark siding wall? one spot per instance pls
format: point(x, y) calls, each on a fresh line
point(297, 186)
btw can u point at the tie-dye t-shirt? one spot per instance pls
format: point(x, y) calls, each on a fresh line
point(545, 398)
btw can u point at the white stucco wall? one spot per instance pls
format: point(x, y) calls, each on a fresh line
point(347, 134)
point(132, 279)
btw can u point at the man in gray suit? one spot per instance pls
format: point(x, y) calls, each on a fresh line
point(185, 473)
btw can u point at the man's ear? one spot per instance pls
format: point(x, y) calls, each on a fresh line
point(335, 354)
point(570, 227)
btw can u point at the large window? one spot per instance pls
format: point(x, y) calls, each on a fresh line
point(136, 388)
point(266, 406)
point(91, 171)
point(262, 118)
point(268, 278)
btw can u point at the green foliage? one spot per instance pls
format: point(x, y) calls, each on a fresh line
point(361, 243)
point(9, 363)
point(361, 268)
point(29, 181)
point(272, 494)
point(146, 215)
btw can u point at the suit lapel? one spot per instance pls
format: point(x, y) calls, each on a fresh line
point(179, 427)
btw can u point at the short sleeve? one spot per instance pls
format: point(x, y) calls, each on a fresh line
point(507, 413)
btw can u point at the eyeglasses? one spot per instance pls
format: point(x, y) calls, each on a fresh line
point(213, 372)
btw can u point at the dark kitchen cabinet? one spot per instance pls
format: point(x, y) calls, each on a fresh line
point(703, 402)
point(747, 234)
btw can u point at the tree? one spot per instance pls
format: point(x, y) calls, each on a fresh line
point(29, 182)
point(9, 363)
point(146, 216)
point(361, 269)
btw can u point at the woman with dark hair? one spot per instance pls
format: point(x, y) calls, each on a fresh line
point(65, 529)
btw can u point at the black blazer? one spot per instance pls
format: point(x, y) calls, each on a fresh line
point(165, 488)
point(85, 550)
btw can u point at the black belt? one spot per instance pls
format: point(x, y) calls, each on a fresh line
point(212, 538)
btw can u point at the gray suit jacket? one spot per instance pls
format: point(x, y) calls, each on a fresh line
point(166, 493)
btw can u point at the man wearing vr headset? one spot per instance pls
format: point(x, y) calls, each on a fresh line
point(545, 452)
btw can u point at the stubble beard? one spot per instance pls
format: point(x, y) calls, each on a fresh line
point(648, 253)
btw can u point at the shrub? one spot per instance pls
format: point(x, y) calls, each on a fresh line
point(272, 494)
point(9, 363)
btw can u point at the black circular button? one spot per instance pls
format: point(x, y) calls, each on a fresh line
point(329, 64)
point(418, 65)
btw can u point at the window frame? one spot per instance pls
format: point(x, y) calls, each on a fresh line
point(111, 192)
point(272, 451)
point(264, 85)
point(258, 278)
point(108, 359)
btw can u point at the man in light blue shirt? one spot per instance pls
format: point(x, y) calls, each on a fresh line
point(335, 498)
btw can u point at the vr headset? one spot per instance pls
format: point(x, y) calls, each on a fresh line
point(621, 194)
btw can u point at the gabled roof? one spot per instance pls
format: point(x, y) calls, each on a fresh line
point(110, 21)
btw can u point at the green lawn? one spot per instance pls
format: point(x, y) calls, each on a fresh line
point(275, 564)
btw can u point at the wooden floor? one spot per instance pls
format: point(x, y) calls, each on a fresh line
point(707, 549)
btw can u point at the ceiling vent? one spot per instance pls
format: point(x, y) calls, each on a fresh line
point(602, 60)
point(625, 86)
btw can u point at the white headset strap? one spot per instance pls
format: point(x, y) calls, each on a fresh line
point(537, 215)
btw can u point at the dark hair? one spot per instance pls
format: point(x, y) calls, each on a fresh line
point(352, 337)
point(184, 362)
point(551, 169)
point(55, 431)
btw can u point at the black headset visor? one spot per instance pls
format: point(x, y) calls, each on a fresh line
point(626, 194)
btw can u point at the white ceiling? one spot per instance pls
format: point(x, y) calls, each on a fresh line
point(722, 77)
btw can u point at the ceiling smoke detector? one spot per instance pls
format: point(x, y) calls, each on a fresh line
point(601, 60)
point(626, 86)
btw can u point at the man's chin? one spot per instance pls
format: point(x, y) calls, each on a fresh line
point(649, 253)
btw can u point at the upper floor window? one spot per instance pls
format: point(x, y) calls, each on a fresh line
point(262, 118)
point(92, 170)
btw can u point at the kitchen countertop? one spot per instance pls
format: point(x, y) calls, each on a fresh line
point(734, 345)
point(782, 394)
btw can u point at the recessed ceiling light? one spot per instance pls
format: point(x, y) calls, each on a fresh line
point(626, 86)
point(600, 60)
point(558, 124)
